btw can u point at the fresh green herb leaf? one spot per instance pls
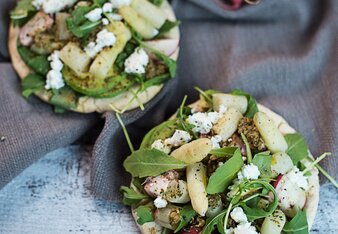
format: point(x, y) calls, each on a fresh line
point(211, 223)
point(59, 110)
point(150, 162)
point(263, 162)
point(78, 24)
point(187, 213)
point(254, 211)
point(297, 225)
point(127, 51)
point(222, 177)
point(156, 2)
point(252, 104)
point(247, 148)
point(130, 197)
point(170, 63)
point(162, 131)
point(124, 129)
point(224, 152)
point(166, 27)
point(206, 95)
point(22, 12)
point(297, 147)
point(32, 83)
point(145, 215)
point(181, 117)
point(325, 173)
point(66, 98)
point(157, 80)
point(38, 63)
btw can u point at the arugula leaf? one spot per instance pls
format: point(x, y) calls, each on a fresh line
point(187, 213)
point(65, 98)
point(223, 152)
point(156, 2)
point(254, 211)
point(206, 95)
point(297, 147)
point(150, 162)
point(157, 80)
point(170, 63)
point(38, 63)
point(211, 223)
point(162, 131)
point(166, 27)
point(32, 83)
point(127, 51)
point(78, 24)
point(222, 177)
point(22, 12)
point(144, 214)
point(263, 162)
point(297, 225)
point(252, 104)
point(130, 197)
point(59, 110)
point(247, 148)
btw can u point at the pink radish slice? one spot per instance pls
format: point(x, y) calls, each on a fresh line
point(166, 46)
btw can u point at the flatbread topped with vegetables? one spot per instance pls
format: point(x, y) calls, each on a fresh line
point(94, 55)
point(224, 164)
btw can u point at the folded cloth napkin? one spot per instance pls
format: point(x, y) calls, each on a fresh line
point(284, 52)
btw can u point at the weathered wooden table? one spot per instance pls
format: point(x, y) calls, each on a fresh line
point(52, 196)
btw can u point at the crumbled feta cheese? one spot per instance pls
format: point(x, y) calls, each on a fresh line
point(103, 39)
point(105, 21)
point(179, 138)
point(159, 202)
point(238, 215)
point(229, 231)
point(120, 3)
point(54, 76)
point(113, 16)
point(213, 117)
point(94, 15)
point(296, 177)
point(158, 144)
point(107, 7)
point(201, 121)
point(215, 140)
point(52, 6)
point(249, 172)
point(136, 62)
point(245, 228)
point(155, 32)
point(222, 109)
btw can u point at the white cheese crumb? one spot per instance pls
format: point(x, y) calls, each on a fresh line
point(159, 202)
point(103, 39)
point(120, 3)
point(136, 62)
point(249, 172)
point(155, 32)
point(245, 228)
point(215, 140)
point(201, 121)
point(54, 78)
point(213, 117)
point(107, 7)
point(105, 21)
point(159, 145)
point(238, 215)
point(179, 138)
point(222, 109)
point(52, 6)
point(296, 177)
point(94, 15)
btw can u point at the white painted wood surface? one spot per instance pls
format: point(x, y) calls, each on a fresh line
point(52, 196)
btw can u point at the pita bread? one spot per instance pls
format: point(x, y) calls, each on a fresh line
point(89, 104)
point(312, 198)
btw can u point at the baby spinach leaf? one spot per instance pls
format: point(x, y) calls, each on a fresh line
point(65, 98)
point(222, 177)
point(38, 63)
point(224, 152)
point(130, 197)
point(162, 131)
point(156, 2)
point(297, 147)
point(32, 83)
point(187, 213)
point(22, 12)
point(145, 215)
point(297, 225)
point(263, 162)
point(252, 104)
point(166, 27)
point(150, 162)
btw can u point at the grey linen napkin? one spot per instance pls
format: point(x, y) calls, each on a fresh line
point(283, 52)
